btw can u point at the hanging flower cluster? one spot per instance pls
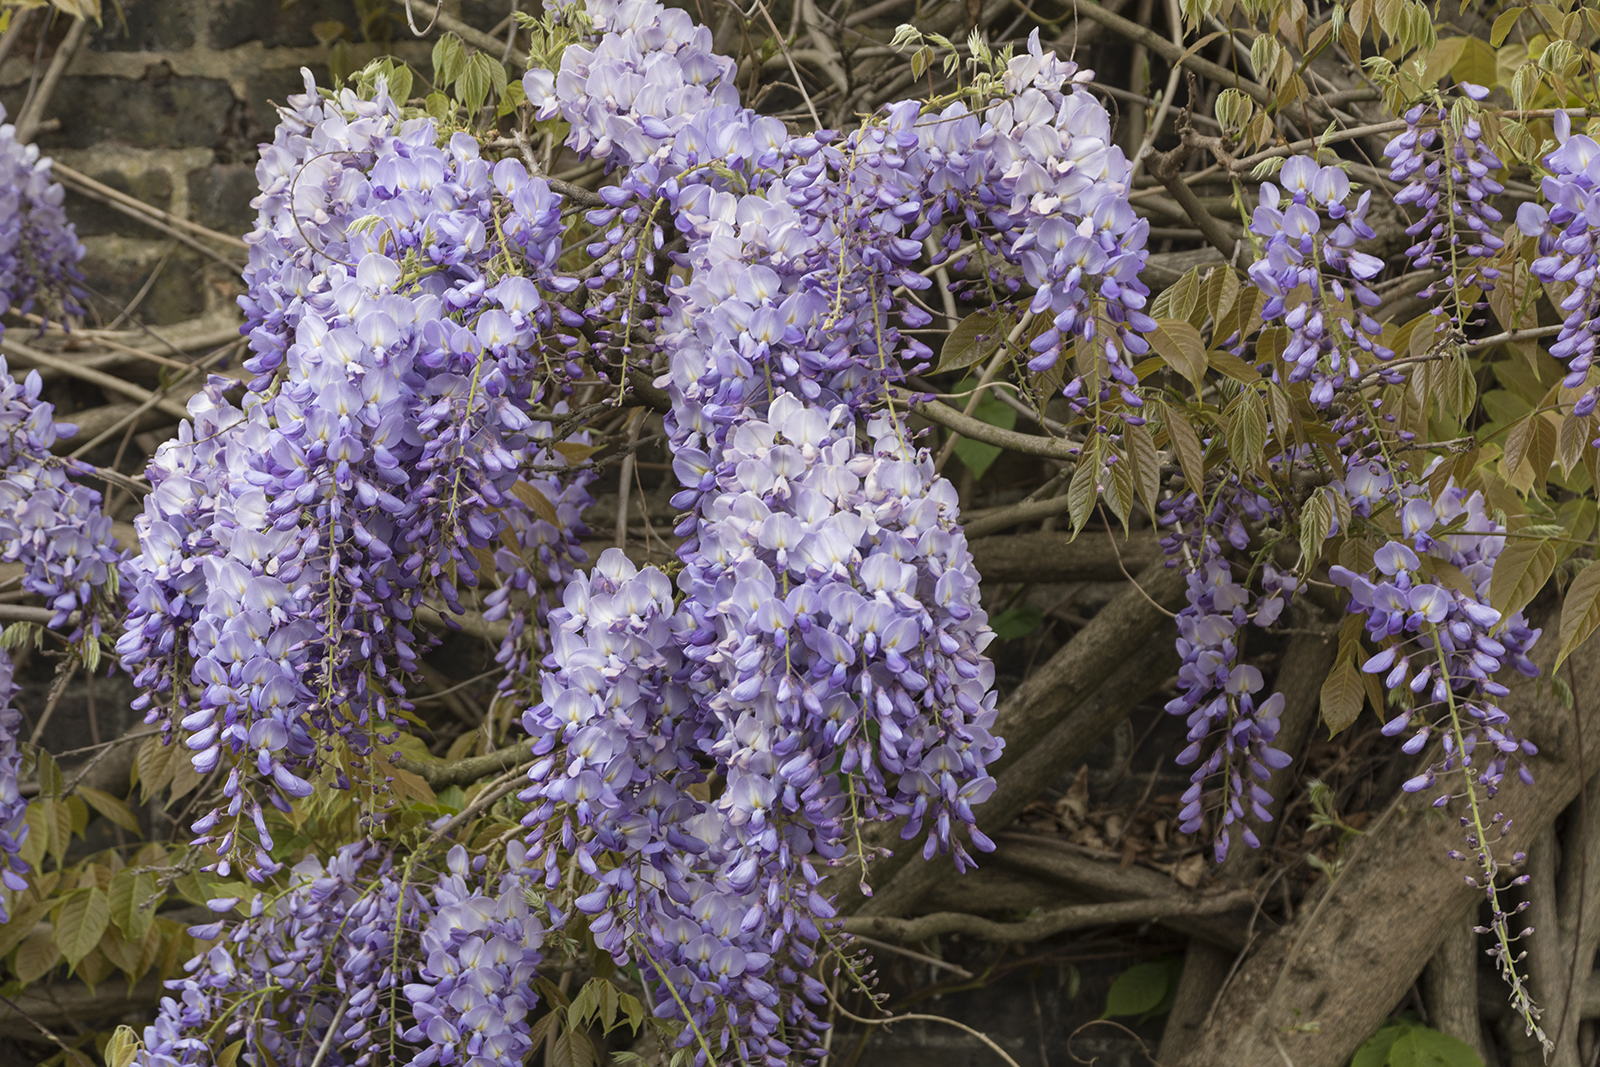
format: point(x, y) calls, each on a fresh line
point(1569, 252)
point(1447, 171)
point(1217, 689)
point(50, 525)
point(1296, 253)
point(13, 805)
point(39, 249)
point(1445, 645)
point(308, 977)
point(399, 313)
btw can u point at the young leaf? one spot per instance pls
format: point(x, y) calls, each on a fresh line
point(81, 923)
point(1580, 612)
point(1520, 572)
point(1081, 491)
point(449, 60)
point(1179, 344)
point(111, 807)
point(975, 339)
point(122, 1046)
point(531, 496)
point(1343, 695)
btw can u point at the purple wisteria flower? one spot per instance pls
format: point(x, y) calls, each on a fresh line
point(401, 324)
point(1569, 252)
point(307, 977)
point(1448, 173)
point(1310, 234)
point(1218, 692)
point(39, 249)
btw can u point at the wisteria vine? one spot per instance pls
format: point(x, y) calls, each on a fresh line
point(434, 323)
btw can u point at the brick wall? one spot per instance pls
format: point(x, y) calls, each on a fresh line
point(169, 106)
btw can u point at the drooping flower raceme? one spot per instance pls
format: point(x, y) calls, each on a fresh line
point(399, 346)
point(1218, 691)
point(39, 249)
point(1324, 335)
point(1448, 173)
point(1444, 645)
point(1569, 250)
point(306, 978)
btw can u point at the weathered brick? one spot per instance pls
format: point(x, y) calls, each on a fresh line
point(219, 197)
point(93, 218)
point(277, 25)
point(158, 111)
point(179, 292)
point(146, 26)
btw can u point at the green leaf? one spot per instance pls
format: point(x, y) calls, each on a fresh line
point(1082, 491)
point(1178, 300)
point(1503, 26)
point(1580, 612)
point(1247, 430)
point(1186, 443)
point(1144, 464)
point(1019, 621)
point(1343, 694)
point(633, 1010)
point(1180, 345)
point(109, 806)
point(128, 894)
point(81, 923)
point(154, 765)
point(21, 924)
point(512, 98)
point(1520, 572)
point(1140, 989)
point(449, 60)
point(483, 79)
point(1316, 523)
point(1374, 1052)
point(48, 773)
point(37, 956)
point(123, 1045)
point(975, 338)
point(1430, 1048)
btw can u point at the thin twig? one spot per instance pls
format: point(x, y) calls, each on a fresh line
point(117, 197)
point(978, 430)
point(1170, 52)
point(899, 950)
point(88, 374)
point(891, 1020)
point(799, 83)
point(29, 121)
point(19, 21)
